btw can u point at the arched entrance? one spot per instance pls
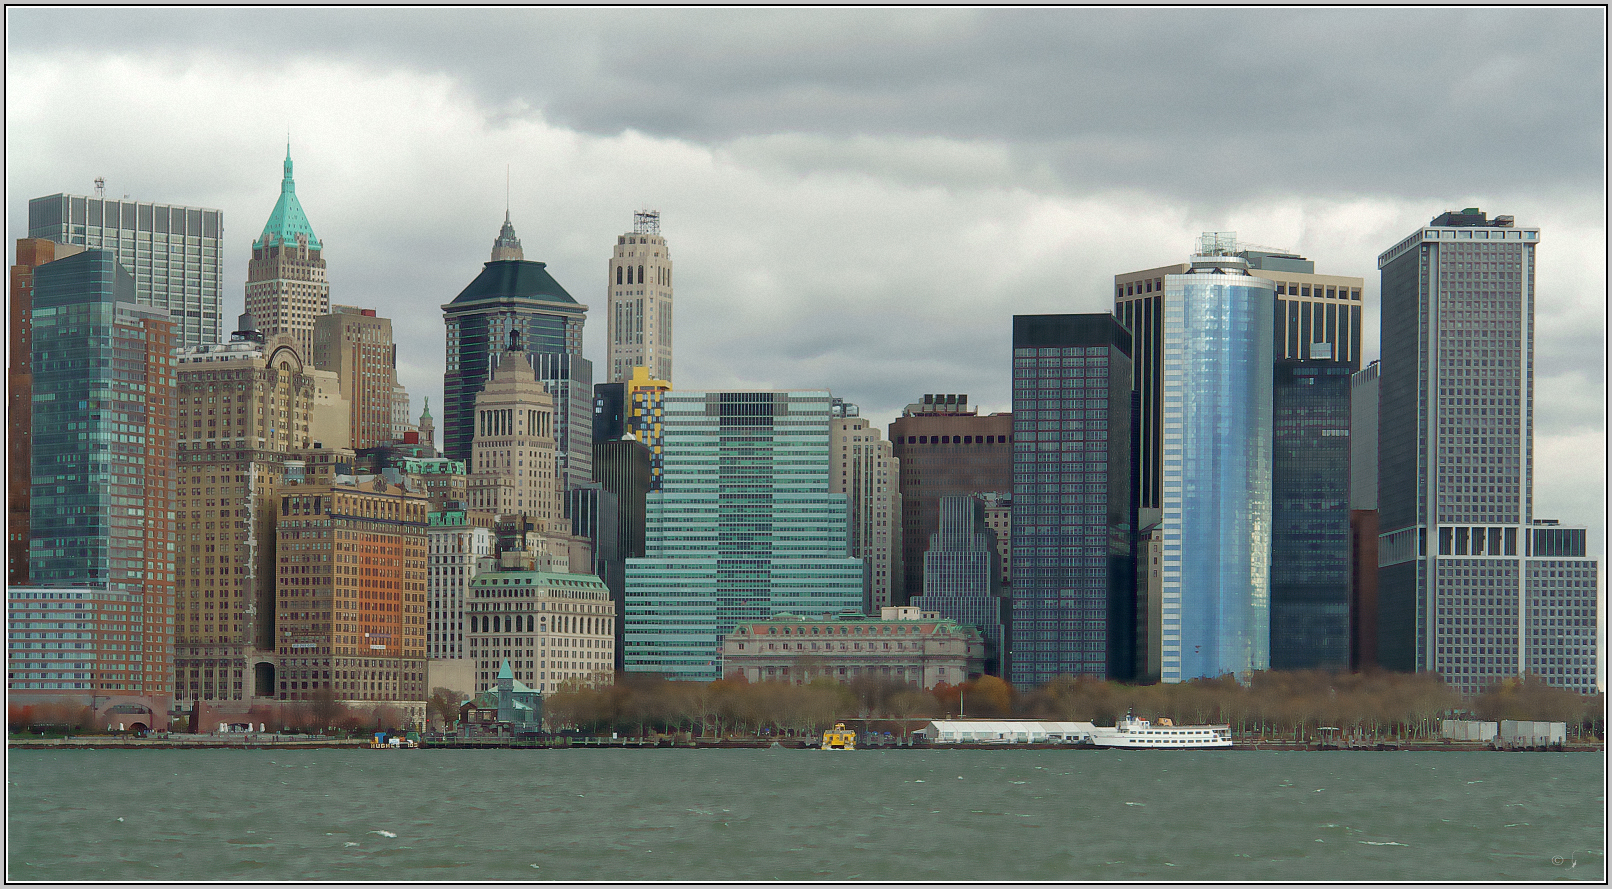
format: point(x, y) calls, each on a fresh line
point(263, 679)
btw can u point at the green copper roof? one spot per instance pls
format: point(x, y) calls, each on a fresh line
point(513, 278)
point(505, 672)
point(287, 221)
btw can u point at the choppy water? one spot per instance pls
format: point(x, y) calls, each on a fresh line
point(1001, 815)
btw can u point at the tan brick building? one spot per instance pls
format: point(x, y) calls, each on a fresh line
point(903, 644)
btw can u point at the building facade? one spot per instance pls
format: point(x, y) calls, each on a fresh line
point(101, 509)
point(744, 526)
point(172, 252)
point(621, 468)
point(457, 539)
point(245, 409)
point(902, 644)
point(356, 345)
point(1463, 588)
point(865, 470)
point(350, 593)
point(942, 447)
point(1074, 513)
point(551, 627)
point(640, 300)
point(1215, 477)
point(80, 646)
point(513, 469)
point(286, 287)
point(31, 252)
point(962, 577)
point(1363, 517)
point(511, 294)
point(1310, 537)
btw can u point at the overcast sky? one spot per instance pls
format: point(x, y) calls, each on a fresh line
point(854, 200)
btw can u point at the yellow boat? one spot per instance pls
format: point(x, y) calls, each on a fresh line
point(839, 738)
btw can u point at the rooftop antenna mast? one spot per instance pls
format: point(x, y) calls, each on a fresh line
point(100, 186)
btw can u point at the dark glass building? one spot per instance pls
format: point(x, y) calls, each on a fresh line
point(962, 574)
point(513, 295)
point(1075, 438)
point(621, 468)
point(1310, 540)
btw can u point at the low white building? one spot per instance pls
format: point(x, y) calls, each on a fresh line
point(1469, 730)
point(1521, 733)
point(1005, 731)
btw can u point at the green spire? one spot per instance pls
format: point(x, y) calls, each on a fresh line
point(426, 415)
point(288, 221)
point(505, 672)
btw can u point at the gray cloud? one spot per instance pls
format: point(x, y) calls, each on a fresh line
point(857, 200)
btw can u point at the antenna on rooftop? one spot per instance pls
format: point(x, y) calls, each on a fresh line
point(506, 191)
point(646, 222)
point(100, 187)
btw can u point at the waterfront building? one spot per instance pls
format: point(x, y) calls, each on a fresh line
point(1215, 479)
point(962, 580)
point(1470, 585)
point(286, 287)
point(1074, 513)
point(171, 251)
point(557, 626)
point(1310, 308)
point(82, 645)
point(457, 539)
point(744, 527)
point(507, 705)
point(1310, 544)
point(1363, 517)
point(350, 593)
point(31, 252)
point(640, 302)
point(902, 644)
point(244, 409)
point(866, 472)
point(356, 344)
point(512, 294)
point(101, 511)
point(942, 446)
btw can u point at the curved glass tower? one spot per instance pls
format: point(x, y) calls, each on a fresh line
point(1216, 475)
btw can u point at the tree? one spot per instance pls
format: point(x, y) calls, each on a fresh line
point(444, 704)
point(325, 710)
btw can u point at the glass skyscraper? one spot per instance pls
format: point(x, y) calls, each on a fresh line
point(514, 295)
point(102, 504)
point(1074, 504)
point(1310, 545)
point(171, 252)
point(743, 527)
point(1471, 584)
point(1215, 480)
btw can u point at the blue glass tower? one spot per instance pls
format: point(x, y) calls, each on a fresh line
point(963, 574)
point(1216, 474)
point(744, 527)
point(1075, 440)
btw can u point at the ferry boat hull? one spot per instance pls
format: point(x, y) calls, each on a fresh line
point(1140, 734)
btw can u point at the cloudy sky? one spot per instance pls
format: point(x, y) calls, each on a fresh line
point(854, 200)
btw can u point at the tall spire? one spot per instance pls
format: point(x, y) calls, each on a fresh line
point(507, 246)
point(288, 220)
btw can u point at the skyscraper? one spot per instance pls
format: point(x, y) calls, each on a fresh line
point(962, 580)
point(512, 465)
point(866, 471)
point(514, 294)
point(1471, 585)
point(1215, 457)
point(356, 345)
point(1310, 308)
point(245, 409)
point(1310, 542)
point(743, 527)
point(286, 288)
point(942, 446)
point(1074, 514)
point(1363, 517)
point(640, 301)
point(101, 511)
point(172, 252)
point(456, 539)
point(31, 253)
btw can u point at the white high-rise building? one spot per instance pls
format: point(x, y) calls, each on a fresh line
point(864, 469)
point(1470, 583)
point(456, 539)
point(640, 302)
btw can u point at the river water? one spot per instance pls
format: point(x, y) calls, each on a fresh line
point(800, 815)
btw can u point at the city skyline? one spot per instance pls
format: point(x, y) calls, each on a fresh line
point(850, 213)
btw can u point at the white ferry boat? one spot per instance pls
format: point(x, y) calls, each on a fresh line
point(1139, 734)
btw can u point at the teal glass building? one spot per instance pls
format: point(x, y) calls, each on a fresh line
point(1216, 467)
point(744, 527)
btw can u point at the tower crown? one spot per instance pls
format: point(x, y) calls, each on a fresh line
point(288, 221)
point(507, 246)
